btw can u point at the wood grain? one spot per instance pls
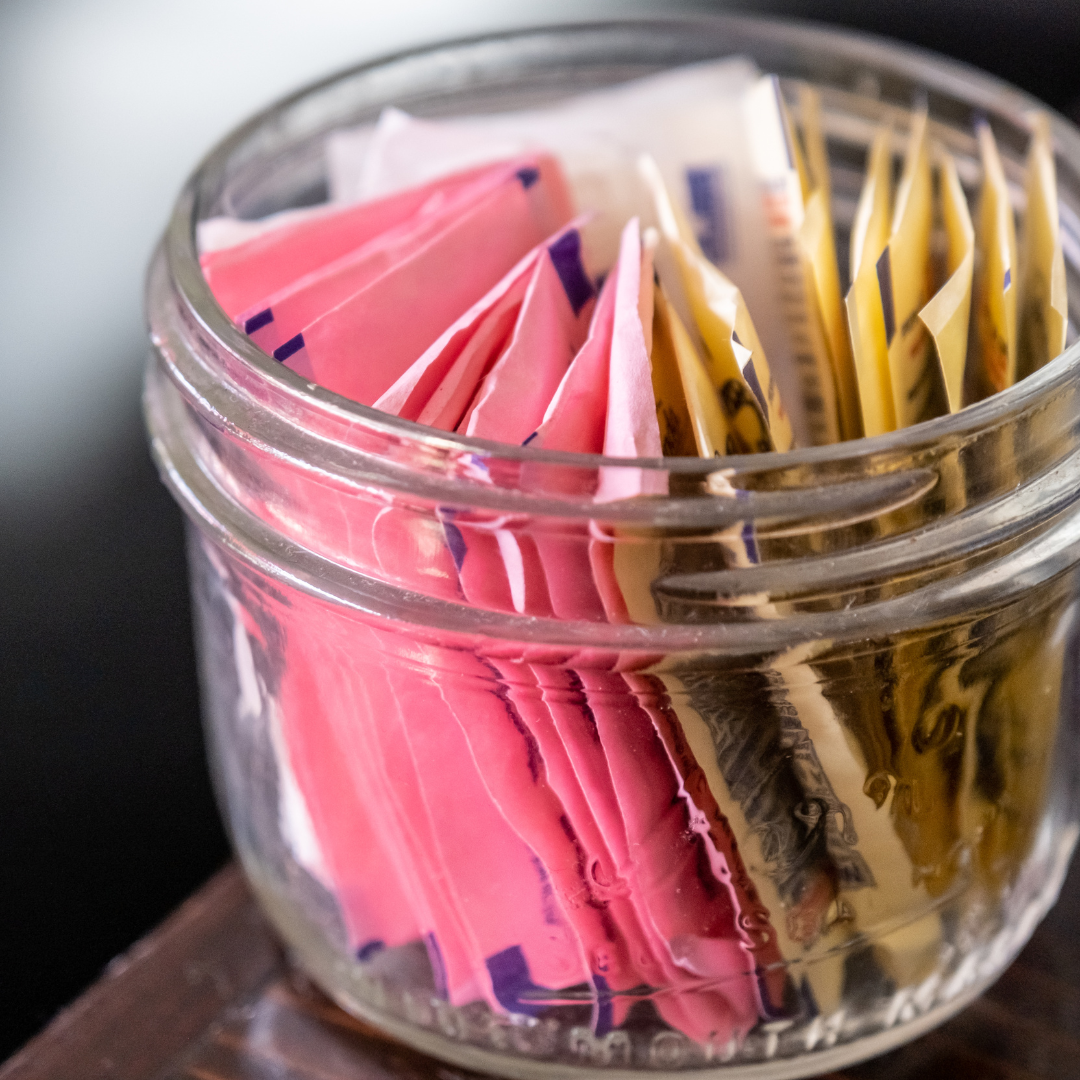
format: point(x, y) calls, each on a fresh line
point(209, 996)
point(156, 999)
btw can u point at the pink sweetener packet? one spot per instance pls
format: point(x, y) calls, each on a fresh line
point(577, 772)
point(361, 347)
point(535, 306)
point(758, 936)
point(551, 327)
point(332, 734)
point(508, 956)
point(363, 714)
point(437, 388)
point(575, 421)
point(457, 956)
point(564, 692)
point(500, 717)
point(694, 914)
point(400, 543)
point(569, 779)
point(323, 819)
point(450, 399)
point(378, 720)
point(497, 719)
point(532, 320)
point(386, 536)
point(576, 417)
point(357, 848)
point(214, 234)
point(275, 320)
point(505, 890)
point(499, 566)
point(258, 266)
point(631, 429)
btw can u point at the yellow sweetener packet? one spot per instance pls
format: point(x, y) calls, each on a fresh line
point(865, 316)
point(948, 313)
point(1043, 297)
point(818, 240)
point(677, 427)
point(878, 885)
point(993, 363)
point(871, 227)
point(905, 279)
point(715, 316)
point(711, 434)
point(672, 416)
point(1018, 727)
point(817, 156)
point(805, 372)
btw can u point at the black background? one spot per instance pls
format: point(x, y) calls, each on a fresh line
point(106, 816)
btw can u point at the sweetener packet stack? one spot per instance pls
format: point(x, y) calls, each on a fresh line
point(639, 272)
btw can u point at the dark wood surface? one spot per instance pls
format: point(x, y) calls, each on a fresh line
point(209, 996)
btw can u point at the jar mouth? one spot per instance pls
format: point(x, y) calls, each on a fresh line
point(935, 74)
point(939, 509)
point(180, 253)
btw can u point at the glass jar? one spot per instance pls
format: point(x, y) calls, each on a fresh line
point(802, 798)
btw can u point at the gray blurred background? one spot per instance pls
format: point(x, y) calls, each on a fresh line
point(106, 817)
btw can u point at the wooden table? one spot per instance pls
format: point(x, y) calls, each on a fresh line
point(209, 996)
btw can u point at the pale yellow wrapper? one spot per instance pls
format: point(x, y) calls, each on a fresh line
point(710, 426)
point(870, 826)
point(905, 278)
point(933, 717)
point(712, 310)
point(873, 215)
point(994, 303)
point(865, 317)
point(905, 817)
point(818, 239)
point(877, 880)
point(1043, 300)
point(817, 156)
point(805, 374)
point(1018, 722)
point(948, 314)
point(812, 921)
point(819, 246)
point(673, 413)
point(870, 348)
point(689, 398)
